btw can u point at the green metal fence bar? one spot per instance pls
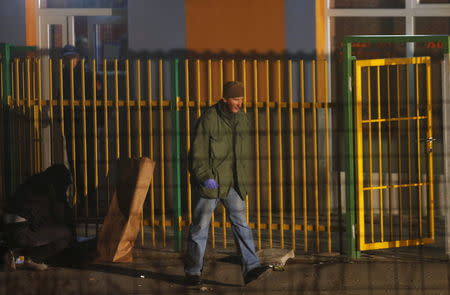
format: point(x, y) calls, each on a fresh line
point(176, 154)
point(350, 158)
point(5, 51)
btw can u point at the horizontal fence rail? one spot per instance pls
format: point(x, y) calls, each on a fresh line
point(88, 114)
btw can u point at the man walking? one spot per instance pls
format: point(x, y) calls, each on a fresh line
point(219, 163)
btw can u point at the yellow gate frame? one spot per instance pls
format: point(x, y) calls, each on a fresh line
point(363, 245)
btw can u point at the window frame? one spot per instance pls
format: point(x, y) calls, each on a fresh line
point(417, 4)
point(412, 10)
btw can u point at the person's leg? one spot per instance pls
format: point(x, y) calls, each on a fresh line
point(241, 231)
point(198, 235)
point(44, 243)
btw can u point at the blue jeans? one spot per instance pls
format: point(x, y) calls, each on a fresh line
point(198, 232)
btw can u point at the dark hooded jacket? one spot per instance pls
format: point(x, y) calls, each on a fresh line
point(221, 150)
point(41, 199)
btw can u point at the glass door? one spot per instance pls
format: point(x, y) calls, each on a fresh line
point(94, 36)
point(101, 36)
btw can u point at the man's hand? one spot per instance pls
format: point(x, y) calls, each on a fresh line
point(211, 184)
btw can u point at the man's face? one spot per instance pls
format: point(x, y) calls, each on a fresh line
point(74, 59)
point(234, 104)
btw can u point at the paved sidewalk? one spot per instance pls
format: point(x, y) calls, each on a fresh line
point(161, 272)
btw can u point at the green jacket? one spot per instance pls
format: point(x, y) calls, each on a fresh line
point(221, 150)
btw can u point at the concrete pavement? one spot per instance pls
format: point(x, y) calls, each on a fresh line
point(161, 272)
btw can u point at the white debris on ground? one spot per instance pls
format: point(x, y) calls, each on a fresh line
point(277, 258)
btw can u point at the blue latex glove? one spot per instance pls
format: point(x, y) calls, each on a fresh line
point(211, 184)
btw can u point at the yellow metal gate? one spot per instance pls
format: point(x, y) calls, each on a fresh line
point(394, 152)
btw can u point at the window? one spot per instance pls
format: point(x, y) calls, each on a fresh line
point(384, 17)
point(434, 1)
point(431, 26)
point(55, 35)
point(343, 26)
point(367, 3)
point(101, 36)
point(83, 3)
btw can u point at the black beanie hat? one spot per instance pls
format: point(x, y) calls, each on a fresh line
point(233, 89)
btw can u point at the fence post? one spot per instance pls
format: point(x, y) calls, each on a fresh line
point(5, 52)
point(351, 248)
point(446, 134)
point(176, 155)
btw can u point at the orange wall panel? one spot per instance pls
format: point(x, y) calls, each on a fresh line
point(320, 49)
point(30, 16)
point(235, 25)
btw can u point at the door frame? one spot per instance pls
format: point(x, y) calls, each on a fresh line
point(44, 34)
point(45, 16)
point(65, 17)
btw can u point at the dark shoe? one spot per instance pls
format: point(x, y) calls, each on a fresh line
point(257, 272)
point(192, 280)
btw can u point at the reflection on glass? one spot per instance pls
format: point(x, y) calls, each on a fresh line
point(101, 36)
point(345, 26)
point(81, 36)
point(367, 3)
point(111, 40)
point(55, 36)
point(83, 3)
point(431, 26)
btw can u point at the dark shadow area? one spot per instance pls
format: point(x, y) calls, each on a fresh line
point(135, 273)
point(232, 259)
point(78, 255)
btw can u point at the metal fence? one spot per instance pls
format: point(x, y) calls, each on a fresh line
point(91, 114)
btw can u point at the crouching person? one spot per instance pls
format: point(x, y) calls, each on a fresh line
point(38, 222)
